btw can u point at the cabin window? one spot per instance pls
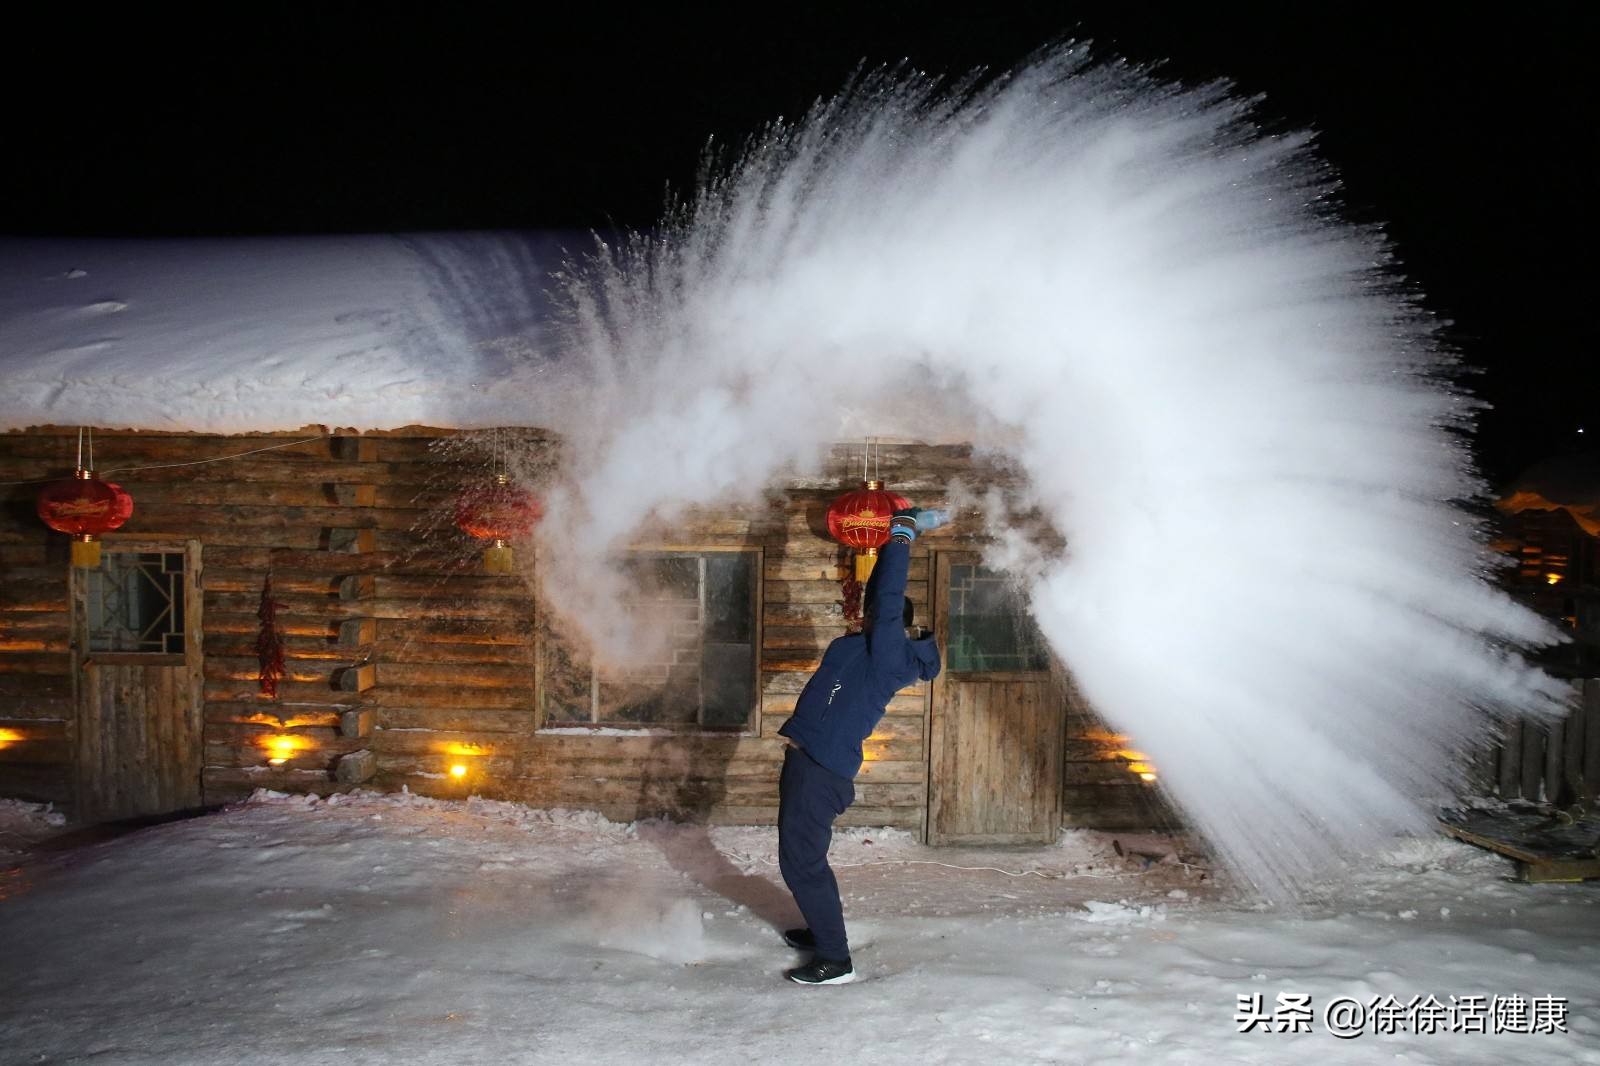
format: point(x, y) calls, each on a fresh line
point(703, 605)
point(991, 630)
point(135, 603)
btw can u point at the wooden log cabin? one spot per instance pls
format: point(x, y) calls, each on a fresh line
point(133, 688)
point(1549, 524)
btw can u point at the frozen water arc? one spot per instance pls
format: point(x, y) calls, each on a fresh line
point(1221, 392)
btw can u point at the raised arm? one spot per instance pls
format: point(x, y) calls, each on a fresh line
point(888, 633)
point(888, 582)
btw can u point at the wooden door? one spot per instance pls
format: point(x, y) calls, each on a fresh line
point(138, 676)
point(997, 718)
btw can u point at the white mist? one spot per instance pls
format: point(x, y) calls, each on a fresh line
point(1220, 393)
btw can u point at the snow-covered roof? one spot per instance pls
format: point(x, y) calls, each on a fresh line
point(1570, 482)
point(216, 335)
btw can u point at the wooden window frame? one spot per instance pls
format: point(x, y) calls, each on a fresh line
point(943, 624)
point(193, 600)
point(118, 545)
point(752, 724)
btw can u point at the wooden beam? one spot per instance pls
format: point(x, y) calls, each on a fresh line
point(357, 722)
point(356, 767)
point(354, 449)
point(357, 632)
point(1591, 739)
point(358, 586)
point(1572, 749)
point(1555, 734)
point(356, 678)
point(1510, 779)
point(1533, 741)
point(1531, 865)
point(352, 540)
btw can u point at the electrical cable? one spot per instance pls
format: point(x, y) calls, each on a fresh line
point(170, 466)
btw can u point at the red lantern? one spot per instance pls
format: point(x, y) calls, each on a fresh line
point(497, 513)
point(860, 520)
point(84, 507)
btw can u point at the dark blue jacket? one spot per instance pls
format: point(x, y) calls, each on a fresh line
point(860, 673)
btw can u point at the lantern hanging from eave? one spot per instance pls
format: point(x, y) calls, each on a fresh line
point(84, 507)
point(860, 520)
point(498, 513)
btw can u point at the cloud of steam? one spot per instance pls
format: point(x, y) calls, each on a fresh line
point(640, 919)
point(1218, 390)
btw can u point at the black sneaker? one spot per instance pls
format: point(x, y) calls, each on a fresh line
point(800, 939)
point(822, 972)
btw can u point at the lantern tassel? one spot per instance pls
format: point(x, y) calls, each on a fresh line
point(866, 559)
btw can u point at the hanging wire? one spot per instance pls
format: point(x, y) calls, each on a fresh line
point(80, 450)
point(1053, 875)
point(167, 466)
point(215, 459)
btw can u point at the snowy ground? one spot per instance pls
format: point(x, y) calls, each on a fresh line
point(397, 930)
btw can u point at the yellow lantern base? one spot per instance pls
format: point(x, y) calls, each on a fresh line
point(85, 553)
point(498, 559)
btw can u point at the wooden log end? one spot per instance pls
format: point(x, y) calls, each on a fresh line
point(356, 678)
point(352, 540)
point(356, 767)
point(356, 723)
point(357, 632)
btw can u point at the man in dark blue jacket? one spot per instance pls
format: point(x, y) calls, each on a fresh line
point(838, 709)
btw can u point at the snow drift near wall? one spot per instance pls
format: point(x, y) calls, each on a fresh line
point(1220, 392)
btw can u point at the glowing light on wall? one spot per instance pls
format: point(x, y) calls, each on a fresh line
point(461, 756)
point(24, 645)
point(9, 737)
point(281, 748)
point(1138, 763)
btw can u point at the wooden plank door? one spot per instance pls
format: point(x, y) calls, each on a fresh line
point(997, 717)
point(138, 674)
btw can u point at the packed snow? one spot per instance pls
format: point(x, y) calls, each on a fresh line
point(370, 928)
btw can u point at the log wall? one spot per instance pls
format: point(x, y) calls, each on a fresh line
point(403, 659)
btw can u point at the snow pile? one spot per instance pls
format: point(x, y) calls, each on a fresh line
point(1122, 912)
point(22, 823)
point(274, 334)
point(20, 814)
point(370, 929)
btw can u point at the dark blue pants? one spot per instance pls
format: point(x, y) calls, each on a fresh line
point(810, 797)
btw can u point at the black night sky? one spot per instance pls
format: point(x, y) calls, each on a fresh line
point(1470, 136)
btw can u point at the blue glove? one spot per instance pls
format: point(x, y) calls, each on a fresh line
point(913, 520)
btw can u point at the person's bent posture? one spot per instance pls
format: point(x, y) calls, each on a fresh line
point(838, 709)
